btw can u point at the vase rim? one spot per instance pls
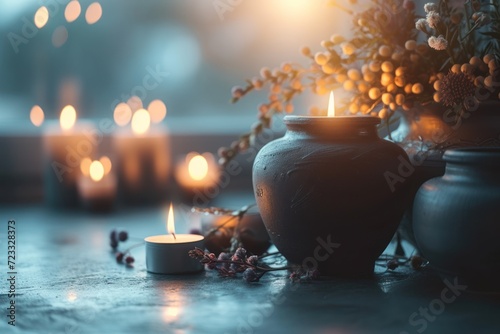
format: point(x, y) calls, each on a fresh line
point(351, 120)
point(487, 155)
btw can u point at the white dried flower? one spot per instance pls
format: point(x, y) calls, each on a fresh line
point(421, 24)
point(438, 43)
point(433, 19)
point(430, 7)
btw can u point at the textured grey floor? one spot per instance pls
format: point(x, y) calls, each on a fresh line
point(68, 282)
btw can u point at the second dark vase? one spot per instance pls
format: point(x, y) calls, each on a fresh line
point(456, 217)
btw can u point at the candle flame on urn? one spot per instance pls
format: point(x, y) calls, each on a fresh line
point(331, 105)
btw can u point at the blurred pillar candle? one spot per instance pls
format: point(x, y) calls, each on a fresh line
point(142, 161)
point(65, 144)
point(97, 184)
point(196, 172)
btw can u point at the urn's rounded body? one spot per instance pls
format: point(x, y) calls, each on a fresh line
point(331, 192)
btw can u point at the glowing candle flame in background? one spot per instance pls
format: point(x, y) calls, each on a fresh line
point(68, 117)
point(331, 105)
point(96, 171)
point(198, 167)
point(141, 121)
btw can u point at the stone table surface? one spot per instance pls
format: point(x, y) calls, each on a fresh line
point(67, 281)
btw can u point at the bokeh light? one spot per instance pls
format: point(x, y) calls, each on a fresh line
point(198, 167)
point(141, 121)
point(157, 111)
point(37, 116)
point(85, 166)
point(93, 13)
point(68, 117)
point(96, 171)
point(59, 36)
point(41, 17)
point(106, 163)
point(135, 103)
point(122, 114)
point(72, 11)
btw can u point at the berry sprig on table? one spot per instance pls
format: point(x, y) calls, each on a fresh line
point(230, 265)
point(114, 240)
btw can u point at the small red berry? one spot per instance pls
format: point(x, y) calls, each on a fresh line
point(416, 262)
point(123, 236)
point(119, 257)
point(129, 259)
point(392, 264)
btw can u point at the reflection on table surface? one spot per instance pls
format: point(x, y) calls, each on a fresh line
point(69, 282)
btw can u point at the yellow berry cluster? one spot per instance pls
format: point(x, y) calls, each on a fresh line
point(391, 78)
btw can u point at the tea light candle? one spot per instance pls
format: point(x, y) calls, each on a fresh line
point(143, 161)
point(65, 144)
point(197, 172)
point(168, 254)
point(97, 185)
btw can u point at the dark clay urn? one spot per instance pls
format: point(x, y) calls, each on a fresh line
point(331, 192)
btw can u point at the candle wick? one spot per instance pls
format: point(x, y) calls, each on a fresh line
point(175, 238)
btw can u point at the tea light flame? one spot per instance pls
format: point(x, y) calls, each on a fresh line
point(68, 117)
point(331, 105)
point(198, 167)
point(141, 121)
point(170, 221)
point(96, 171)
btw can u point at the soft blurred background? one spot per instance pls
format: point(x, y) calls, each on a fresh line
point(205, 46)
point(186, 53)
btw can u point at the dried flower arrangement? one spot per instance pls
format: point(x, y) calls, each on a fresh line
point(395, 60)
